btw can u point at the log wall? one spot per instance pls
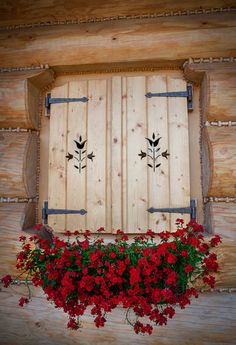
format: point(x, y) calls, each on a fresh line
point(121, 41)
point(217, 101)
point(20, 98)
point(18, 164)
point(171, 40)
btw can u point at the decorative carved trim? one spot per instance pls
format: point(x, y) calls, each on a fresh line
point(218, 199)
point(24, 68)
point(210, 60)
point(78, 21)
point(219, 123)
point(18, 130)
point(17, 200)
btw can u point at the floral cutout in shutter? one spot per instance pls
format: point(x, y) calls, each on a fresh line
point(154, 152)
point(80, 154)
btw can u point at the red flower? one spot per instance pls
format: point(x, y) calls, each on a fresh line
point(6, 280)
point(23, 301)
point(188, 268)
point(184, 253)
point(210, 280)
point(37, 227)
point(171, 258)
point(215, 241)
point(72, 324)
point(134, 275)
point(150, 233)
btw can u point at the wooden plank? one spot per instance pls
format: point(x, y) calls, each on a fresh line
point(137, 184)
point(29, 12)
point(209, 320)
point(124, 155)
point(165, 38)
point(221, 107)
point(18, 164)
point(20, 98)
point(57, 161)
point(158, 181)
point(215, 77)
point(97, 143)
point(221, 218)
point(179, 149)
point(76, 180)
point(116, 153)
point(14, 217)
point(221, 154)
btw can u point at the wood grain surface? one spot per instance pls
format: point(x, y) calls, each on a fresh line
point(20, 98)
point(219, 161)
point(209, 320)
point(18, 164)
point(171, 38)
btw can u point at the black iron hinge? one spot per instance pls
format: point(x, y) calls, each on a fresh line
point(49, 101)
point(188, 94)
point(192, 209)
point(47, 211)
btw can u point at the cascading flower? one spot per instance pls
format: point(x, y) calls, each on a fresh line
point(148, 279)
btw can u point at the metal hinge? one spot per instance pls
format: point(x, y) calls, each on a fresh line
point(49, 101)
point(188, 94)
point(192, 210)
point(47, 211)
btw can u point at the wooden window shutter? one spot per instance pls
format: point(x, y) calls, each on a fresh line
point(117, 186)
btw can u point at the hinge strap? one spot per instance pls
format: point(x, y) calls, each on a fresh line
point(49, 101)
point(188, 94)
point(47, 211)
point(192, 210)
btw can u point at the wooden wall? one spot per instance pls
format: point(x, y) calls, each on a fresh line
point(164, 41)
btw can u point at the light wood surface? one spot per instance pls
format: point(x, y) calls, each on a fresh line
point(179, 149)
point(117, 187)
point(218, 89)
point(159, 186)
point(221, 218)
point(14, 217)
point(13, 13)
point(169, 39)
point(221, 153)
point(57, 158)
point(20, 97)
point(18, 164)
point(209, 320)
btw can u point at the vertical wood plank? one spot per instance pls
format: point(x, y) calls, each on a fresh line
point(124, 198)
point(76, 180)
point(159, 180)
point(116, 154)
point(137, 171)
point(57, 160)
point(109, 157)
point(179, 149)
point(97, 143)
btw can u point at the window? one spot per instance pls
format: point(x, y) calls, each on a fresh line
point(118, 154)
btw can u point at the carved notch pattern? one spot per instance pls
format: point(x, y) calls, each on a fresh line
point(80, 154)
point(154, 152)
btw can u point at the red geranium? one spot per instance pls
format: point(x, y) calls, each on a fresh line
point(145, 277)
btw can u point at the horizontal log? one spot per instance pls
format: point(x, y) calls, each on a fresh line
point(14, 217)
point(226, 253)
point(20, 98)
point(29, 12)
point(18, 164)
point(221, 218)
point(218, 89)
point(209, 320)
point(170, 38)
point(219, 164)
